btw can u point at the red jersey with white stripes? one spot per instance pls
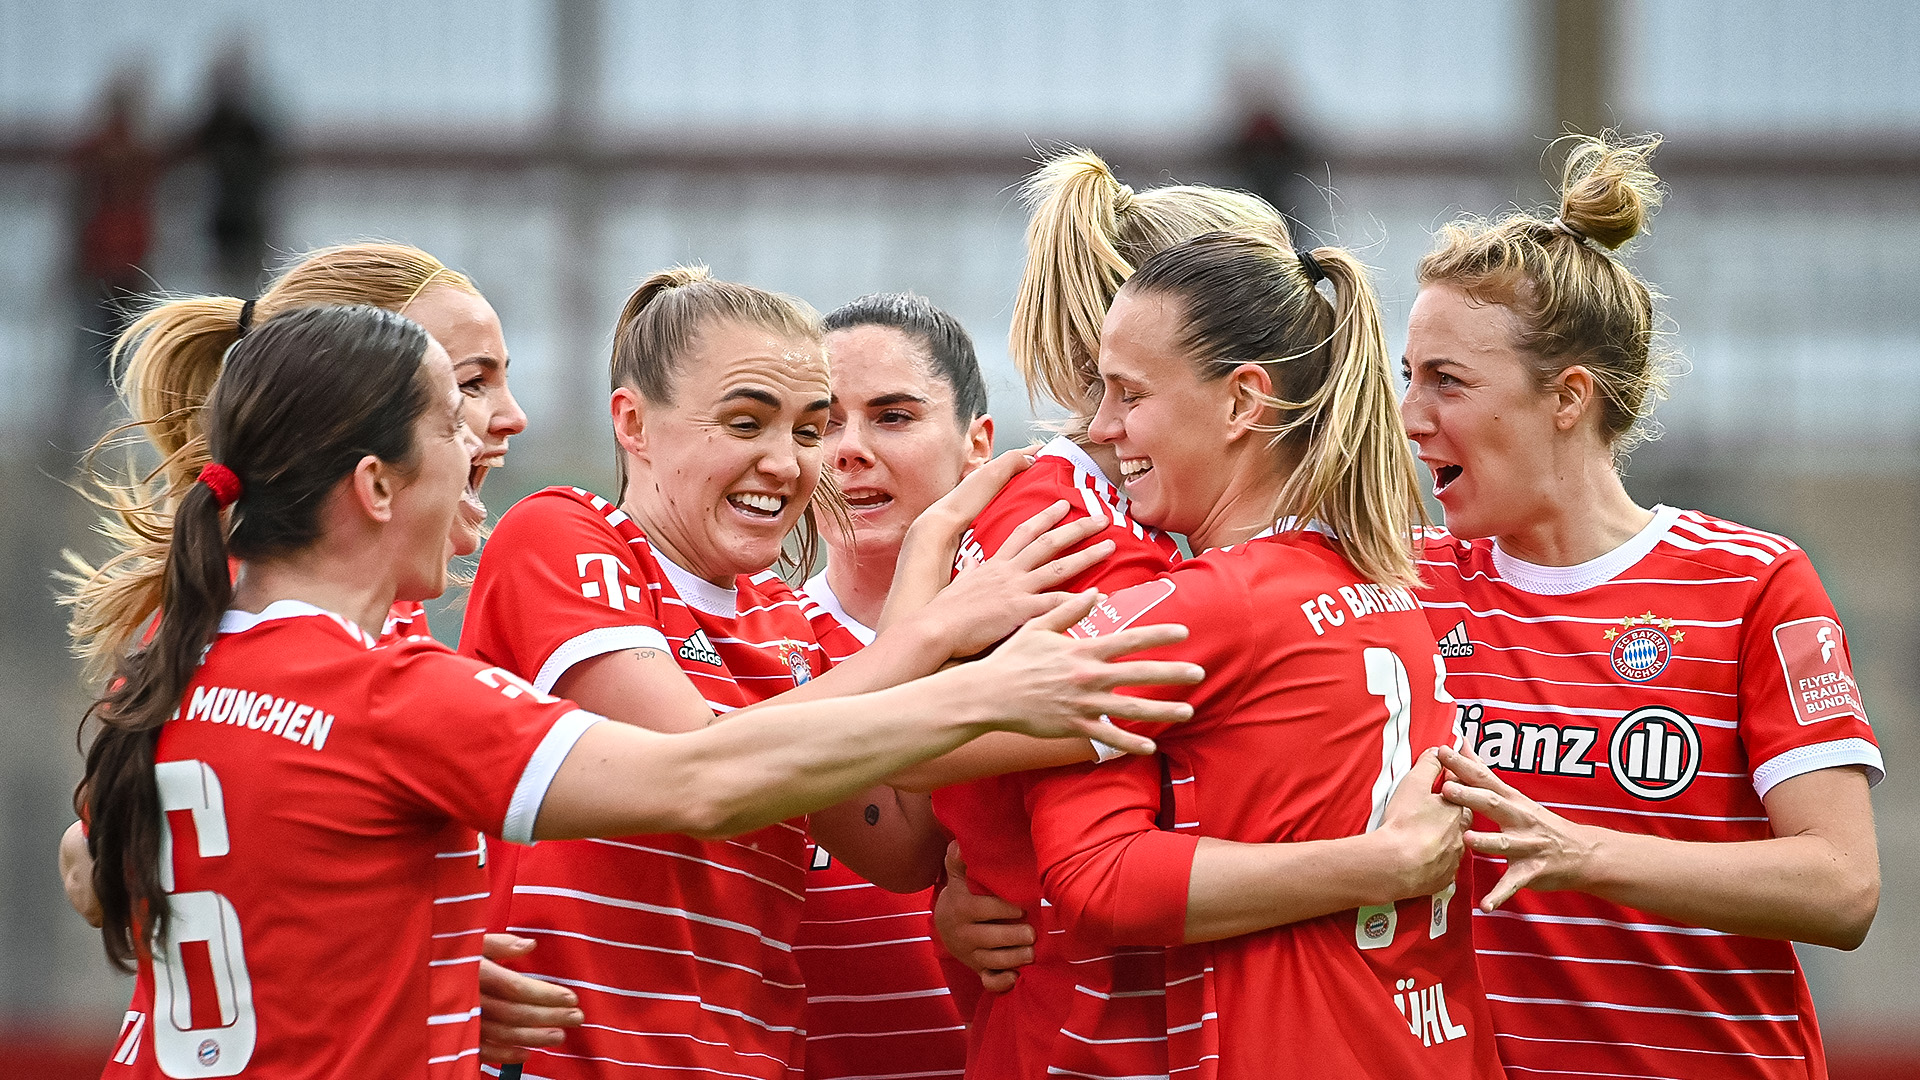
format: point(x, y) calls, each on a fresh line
point(1081, 1007)
point(877, 997)
point(1321, 690)
point(681, 950)
point(1662, 688)
point(406, 619)
point(320, 799)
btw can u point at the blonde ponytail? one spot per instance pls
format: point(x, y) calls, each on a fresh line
point(1087, 234)
point(1247, 298)
point(166, 363)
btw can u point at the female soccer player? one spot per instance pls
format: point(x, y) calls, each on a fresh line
point(908, 421)
point(1671, 745)
point(663, 610)
point(1087, 234)
point(1308, 867)
point(172, 356)
point(269, 791)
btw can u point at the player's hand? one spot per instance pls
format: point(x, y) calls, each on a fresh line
point(1048, 685)
point(982, 931)
point(517, 1011)
point(1425, 830)
point(1542, 849)
point(926, 559)
point(76, 874)
point(989, 600)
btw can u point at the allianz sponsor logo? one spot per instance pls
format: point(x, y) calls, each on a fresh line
point(1653, 752)
point(1456, 644)
point(285, 717)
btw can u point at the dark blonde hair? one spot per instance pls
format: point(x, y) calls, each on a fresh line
point(167, 363)
point(662, 321)
point(1088, 234)
point(1246, 298)
point(1574, 301)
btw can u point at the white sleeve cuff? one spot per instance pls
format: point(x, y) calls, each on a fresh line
point(594, 643)
point(1816, 756)
point(531, 791)
point(1104, 752)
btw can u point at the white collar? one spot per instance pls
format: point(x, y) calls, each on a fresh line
point(1291, 524)
point(1561, 580)
point(235, 621)
point(820, 592)
point(1062, 447)
point(697, 591)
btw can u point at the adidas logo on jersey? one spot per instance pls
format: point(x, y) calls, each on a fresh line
point(699, 649)
point(1455, 644)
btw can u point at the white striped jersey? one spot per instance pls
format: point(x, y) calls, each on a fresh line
point(681, 950)
point(878, 1002)
point(1662, 688)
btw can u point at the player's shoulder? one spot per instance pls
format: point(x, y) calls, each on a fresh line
point(1703, 538)
point(557, 512)
point(768, 587)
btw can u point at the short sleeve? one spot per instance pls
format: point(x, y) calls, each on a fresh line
point(473, 742)
point(1800, 708)
point(558, 585)
point(1135, 558)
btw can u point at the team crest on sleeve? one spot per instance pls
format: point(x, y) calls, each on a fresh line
point(1642, 646)
point(1117, 612)
point(794, 654)
point(1819, 679)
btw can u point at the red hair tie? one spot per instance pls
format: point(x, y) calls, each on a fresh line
point(224, 482)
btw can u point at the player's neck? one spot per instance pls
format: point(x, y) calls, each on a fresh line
point(1246, 506)
point(861, 583)
point(327, 581)
point(1588, 515)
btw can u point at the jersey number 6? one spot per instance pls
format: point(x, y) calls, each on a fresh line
point(203, 1021)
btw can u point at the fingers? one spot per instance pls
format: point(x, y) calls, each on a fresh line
point(1039, 547)
point(510, 987)
point(1149, 673)
point(1135, 639)
point(1066, 567)
point(1503, 890)
point(998, 982)
point(1069, 611)
point(1028, 532)
point(1424, 777)
point(978, 487)
point(1104, 733)
point(956, 866)
point(504, 947)
point(1502, 810)
point(1469, 770)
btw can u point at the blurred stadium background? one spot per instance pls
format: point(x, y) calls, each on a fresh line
point(559, 150)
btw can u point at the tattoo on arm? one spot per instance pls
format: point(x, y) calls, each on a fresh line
point(647, 654)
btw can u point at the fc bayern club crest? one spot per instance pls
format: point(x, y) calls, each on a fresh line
point(795, 654)
point(1643, 646)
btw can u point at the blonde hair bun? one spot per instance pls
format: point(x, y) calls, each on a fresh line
point(1607, 190)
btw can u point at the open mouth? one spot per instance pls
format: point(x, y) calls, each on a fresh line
point(867, 499)
point(470, 505)
point(1132, 469)
point(1444, 476)
point(757, 505)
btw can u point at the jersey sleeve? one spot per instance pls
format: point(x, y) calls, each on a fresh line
point(1116, 878)
point(1135, 557)
point(1104, 861)
point(557, 585)
point(1800, 708)
point(470, 741)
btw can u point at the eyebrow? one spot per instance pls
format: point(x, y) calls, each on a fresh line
point(770, 399)
point(482, 360)
point(901, 398)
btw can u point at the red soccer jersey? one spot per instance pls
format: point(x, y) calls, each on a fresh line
point(1662, 688)
point(681, 949)
point(877, 997)
point(1083, 1008)
point(310, 788)
point(406, 619)
point(1321, 690)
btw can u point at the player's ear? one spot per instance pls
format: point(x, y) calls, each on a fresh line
point(629, 408)
point(1249, 389)
point(979, 443)
point(371, 488)
point(1576, 393)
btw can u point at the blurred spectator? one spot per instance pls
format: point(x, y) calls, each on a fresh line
point(114, 176)
point(1273, 163)
point(239, 147)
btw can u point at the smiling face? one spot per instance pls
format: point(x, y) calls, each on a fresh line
point(467, 327)
point(893, 439)
point(1170, 429)
point(427, 501)
point(720, 475)
point(1484, 426)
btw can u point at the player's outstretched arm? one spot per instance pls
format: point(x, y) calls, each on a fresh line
point(1817, 880)
point(785, 760)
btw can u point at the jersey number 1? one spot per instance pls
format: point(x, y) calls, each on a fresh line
point(203, 1021)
